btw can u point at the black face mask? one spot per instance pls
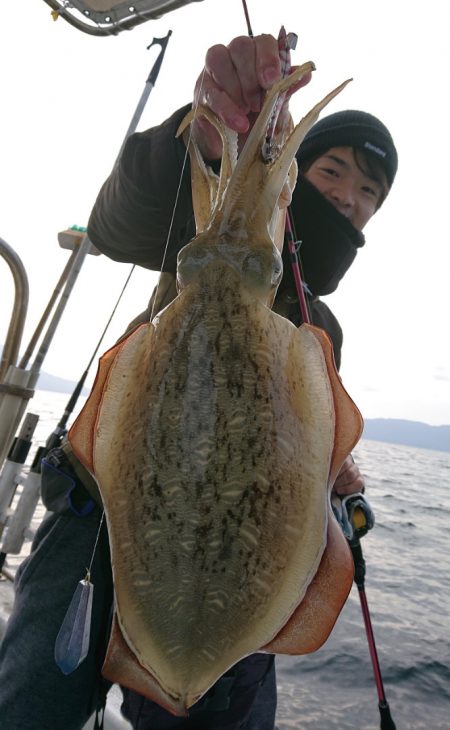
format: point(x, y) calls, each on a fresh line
point(329, 243)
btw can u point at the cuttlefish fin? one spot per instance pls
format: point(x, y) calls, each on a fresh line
point(82, 434)
point(312, 621)
point(348, 420)
point(122, 667)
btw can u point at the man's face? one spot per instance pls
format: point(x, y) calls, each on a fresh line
point(344, 185)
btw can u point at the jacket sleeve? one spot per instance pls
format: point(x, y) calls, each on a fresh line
point(132, 216)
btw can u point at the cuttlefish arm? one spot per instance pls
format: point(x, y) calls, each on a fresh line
point(82, 434)
point(208, 188)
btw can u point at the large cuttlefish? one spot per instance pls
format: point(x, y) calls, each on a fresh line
point(215, 433)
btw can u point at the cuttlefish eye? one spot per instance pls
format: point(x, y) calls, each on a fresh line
point(262, 270)
point(192, 258)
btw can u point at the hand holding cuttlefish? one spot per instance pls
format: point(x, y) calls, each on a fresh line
point(215, 433)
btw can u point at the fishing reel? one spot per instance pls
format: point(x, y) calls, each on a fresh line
point(356, 518)
point(354, 514)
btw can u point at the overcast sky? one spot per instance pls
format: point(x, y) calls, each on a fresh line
point(67, 99)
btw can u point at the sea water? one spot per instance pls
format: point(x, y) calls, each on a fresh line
point(408, 590)
point(407, 586)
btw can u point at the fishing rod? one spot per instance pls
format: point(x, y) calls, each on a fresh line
point(361, 519)
point(354, 515)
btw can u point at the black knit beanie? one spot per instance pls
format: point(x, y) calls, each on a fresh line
point(352, 128)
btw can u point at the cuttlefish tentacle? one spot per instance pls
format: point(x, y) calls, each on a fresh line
point(209, 188)
point(220, 428)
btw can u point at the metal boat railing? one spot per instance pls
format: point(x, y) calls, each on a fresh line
point(17, 322)
point(109, 17)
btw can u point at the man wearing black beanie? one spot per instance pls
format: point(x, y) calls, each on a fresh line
point(347, 164)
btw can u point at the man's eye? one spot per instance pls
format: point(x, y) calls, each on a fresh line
point(370, 191)
point(330, 171)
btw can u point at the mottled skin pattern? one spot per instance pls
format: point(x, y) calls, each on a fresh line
point(219, 428)
point(224, 473)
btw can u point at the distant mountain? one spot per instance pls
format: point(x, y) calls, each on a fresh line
point(57, 385)
point(408, 433)
point(390, 430)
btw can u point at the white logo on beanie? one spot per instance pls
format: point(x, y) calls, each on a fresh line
point(377, 150)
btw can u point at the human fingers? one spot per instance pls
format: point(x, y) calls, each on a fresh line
point(231, 85)
point(257, 65)
point(218, 87)
point(222, 78)
point(237, 75)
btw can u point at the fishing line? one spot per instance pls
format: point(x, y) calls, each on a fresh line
point(113, 311)
point(60, 429)
point(89, 569)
